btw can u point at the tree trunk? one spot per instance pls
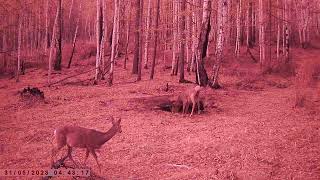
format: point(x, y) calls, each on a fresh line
point(71, 9)
point(238, 22)
point(154, 55)
point(222, 15)
point(113, 45)
point(98, 41)
point(278, 30)
point(201, 74)
point(127, 36)
point(137, 40)
point(57, 65)
point(19, 49)
point(261, 36)
point(118, 33)
point(74, 38)
point(103, 29)
point(286, 31)
point(140, 40)
point(250, 26)
point(182, 38)
point(52, 44)
point(175, 39)
point(47, 43)
point(146, 43)
point(195, 39)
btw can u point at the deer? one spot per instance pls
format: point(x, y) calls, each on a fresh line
point(190, 96)
point(79, 137)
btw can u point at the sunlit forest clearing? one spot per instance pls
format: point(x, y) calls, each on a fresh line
point(161, 89)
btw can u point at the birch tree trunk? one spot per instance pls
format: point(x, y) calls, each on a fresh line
point(52, 44)
point(201, 74)
point(75, 38)
point(238, 22)
point(189, 38)
point(136, 40)
point(19, 48)
point(103, 36)
point(147, 33)
point(70, 9)
point(98, 38)
point(154, 55)
point(278, 30)
point(118, 33)
point(47, 44)
point(222, 18)
point(261, 36)
point(175, 41)
point(113, 45)
point(182, 38)
point(127, 36)
point(39, 29)
point(57, 65)
point(140, 40)
point(194, 36)
point(251, 26)
point(286, 32)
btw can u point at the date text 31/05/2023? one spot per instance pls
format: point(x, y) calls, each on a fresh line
point(45, 172)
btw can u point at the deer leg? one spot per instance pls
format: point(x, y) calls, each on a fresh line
point(193, 106)
point(198, 101)
point(70, 156)
point(54, 151)
point(96, 158)
point(183, 107)
point(86, 158)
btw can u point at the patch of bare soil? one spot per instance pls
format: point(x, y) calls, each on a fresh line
point(255, 134)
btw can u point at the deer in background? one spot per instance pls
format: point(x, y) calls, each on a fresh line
point(79, 137)
point(187, 97)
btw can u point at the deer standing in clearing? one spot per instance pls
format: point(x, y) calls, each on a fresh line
point(79, 137)
point(188, 97)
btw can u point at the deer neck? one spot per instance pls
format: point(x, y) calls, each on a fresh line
point(109, 134)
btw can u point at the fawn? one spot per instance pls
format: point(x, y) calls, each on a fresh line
point(188, 97)
point(79, 137)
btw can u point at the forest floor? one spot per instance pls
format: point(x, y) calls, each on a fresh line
point(250, 129)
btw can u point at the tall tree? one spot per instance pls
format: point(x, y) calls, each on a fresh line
point(182, 38)
point(52, 45)
point(147, 33)
point(127, 36)
point(47, 43)
point(140, 41)
point(99, 36)
point(113, 45)
point(222, 19)
point(261, 35)
point(175, 46)
point(201, 74)
point(19, 47)
point(154, 55)
point(74, 38)
point(57, 65)
point(238, 23)
point(136, 39)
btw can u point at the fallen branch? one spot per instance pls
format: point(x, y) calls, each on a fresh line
point(71, 77)
point(251, 55)
point(179, 165)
